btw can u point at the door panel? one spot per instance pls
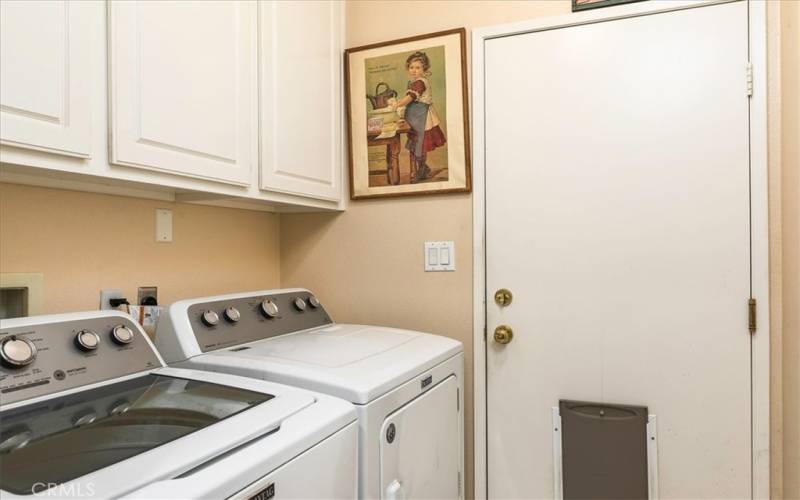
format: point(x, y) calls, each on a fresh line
point(617, 214)
point(45, 76)
point(183, 87)
point(301, 97)
point(420, 454)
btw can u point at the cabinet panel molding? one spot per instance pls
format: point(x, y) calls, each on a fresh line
point(45, 70)
point(300, 47)
point(182, 88)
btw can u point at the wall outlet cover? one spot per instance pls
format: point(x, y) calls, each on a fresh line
point(106, 294)
point(163, 225)
point(147, 295)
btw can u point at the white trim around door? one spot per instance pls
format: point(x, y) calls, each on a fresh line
point(760, 367)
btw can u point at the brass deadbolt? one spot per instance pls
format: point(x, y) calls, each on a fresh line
point(503, 297)
point(503, 334)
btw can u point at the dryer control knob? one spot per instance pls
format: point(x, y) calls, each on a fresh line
point(232, 314)
point(313, 301)
point(122, 335)
point(209, 318)
point(299, 303)
point(87, 340)
point(269, 308)
point(16, 352)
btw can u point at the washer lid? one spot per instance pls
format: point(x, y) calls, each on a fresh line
point(354, 362)
point(121, 435)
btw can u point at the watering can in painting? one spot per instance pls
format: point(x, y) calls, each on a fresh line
point(381, 98)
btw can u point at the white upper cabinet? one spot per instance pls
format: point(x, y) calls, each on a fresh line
point(45, 85)
point(183, 92)
point(300, 52)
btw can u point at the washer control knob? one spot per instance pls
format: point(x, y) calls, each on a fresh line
point(269, 308)
point(299, 303)
point(232, 314)
point(313, 301)
point(209, 318)
point(121, 335)
point(87, 340)
point(16, 352)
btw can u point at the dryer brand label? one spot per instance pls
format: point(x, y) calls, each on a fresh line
point(427, 381)
point(264, 494)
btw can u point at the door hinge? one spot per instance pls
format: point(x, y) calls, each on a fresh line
point(459, 484)
point(751, 316)
point(484, 333)
point(749, 73)
point(458, 399)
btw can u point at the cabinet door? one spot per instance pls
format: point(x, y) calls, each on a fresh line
point(300, 47)
point(420, 449)
point(45, 76)
point(182, 83)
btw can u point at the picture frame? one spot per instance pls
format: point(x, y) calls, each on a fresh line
point(579, 5)
point(407, 111)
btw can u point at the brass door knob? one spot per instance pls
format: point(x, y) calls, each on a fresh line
point(503, 334)
point(503, 297)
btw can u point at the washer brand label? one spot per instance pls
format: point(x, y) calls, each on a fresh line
point(264, 494)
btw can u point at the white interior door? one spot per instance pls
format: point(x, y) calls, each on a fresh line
point(617, 214)
point(182, 83)
point(45, 80)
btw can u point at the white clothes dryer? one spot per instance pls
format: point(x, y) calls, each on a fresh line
point(407, 386)
point(87, 409)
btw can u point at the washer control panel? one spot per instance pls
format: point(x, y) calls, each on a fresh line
point(220, 324)
point(41, 359)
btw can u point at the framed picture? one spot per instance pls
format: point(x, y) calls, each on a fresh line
point(594, 4)
point(407, 116)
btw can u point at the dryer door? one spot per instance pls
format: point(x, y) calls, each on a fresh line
point(420, 446)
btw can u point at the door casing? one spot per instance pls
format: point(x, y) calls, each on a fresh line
point(760, 367)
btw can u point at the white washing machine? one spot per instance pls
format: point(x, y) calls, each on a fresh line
point(88, 410)
point(407, 386)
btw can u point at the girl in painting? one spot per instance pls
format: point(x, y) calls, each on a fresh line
point(420, 114)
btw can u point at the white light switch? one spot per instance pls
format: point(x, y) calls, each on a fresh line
point(163, 225)
point(440, 256)
point(433, 256)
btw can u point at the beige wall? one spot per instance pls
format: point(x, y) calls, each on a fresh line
point(367, 262)
point(83, 242)
point(790, 196)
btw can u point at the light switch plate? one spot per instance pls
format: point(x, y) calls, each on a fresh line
point(440, 256)
point(163, 225)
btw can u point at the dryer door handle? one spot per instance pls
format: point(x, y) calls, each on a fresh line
point(395, 491)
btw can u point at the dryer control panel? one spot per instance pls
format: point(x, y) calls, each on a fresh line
point(227, 322)
point(40, 356)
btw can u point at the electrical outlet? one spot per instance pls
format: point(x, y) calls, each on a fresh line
point(147, 296)
point(106, 294)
